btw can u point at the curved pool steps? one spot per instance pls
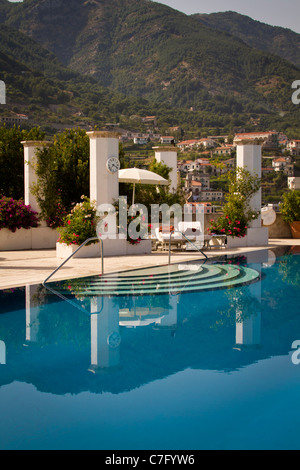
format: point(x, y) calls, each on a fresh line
point(166, 280)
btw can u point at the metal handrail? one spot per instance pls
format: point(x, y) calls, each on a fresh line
point(178, 231)
point(71, 256)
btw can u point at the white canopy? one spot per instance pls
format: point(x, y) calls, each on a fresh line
point(137, 175)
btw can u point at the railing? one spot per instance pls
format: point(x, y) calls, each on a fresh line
point(177, 231)
point(76, 251)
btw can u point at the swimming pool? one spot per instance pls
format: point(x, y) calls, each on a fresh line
point(137, 366)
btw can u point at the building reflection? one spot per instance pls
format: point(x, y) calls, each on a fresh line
point(248, 314)
point(32, 307)
point(105, 333)
point(2, 353)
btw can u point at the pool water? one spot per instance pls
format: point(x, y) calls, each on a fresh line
point(115, 363)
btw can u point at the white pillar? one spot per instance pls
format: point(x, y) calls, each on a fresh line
point(249, 157)
point(30, 177)
point(168, 156)
point(104, 185)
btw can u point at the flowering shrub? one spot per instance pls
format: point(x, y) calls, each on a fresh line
point(15, 215)
point(225, 226)
point(237, 210)
point(80, 224)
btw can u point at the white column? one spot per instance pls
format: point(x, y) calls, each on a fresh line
point(249, 157)
point(168, 156)
point(104, 185)
point(30, 177)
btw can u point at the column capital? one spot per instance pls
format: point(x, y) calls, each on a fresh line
point(250, 142)
point(165, 149)
point(35, 143)
point(103, 135)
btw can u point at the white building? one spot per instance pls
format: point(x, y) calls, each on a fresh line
point(283, 164)
point(294, 147)
point(294, 182)
point(270, 140)
point(167, 139)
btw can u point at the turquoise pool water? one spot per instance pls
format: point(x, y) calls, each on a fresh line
point(124, 363)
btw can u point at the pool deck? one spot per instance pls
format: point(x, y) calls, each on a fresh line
point(20, 268)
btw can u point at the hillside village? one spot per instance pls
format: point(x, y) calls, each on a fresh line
point(204, 162)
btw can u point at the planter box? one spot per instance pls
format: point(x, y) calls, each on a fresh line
point(110, 248)
point(123, 248)
point(234, 242)
point(64, 251)
point(32, 239)
point(255, 237)
point(295, 228)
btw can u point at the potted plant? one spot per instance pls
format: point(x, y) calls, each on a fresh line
point(237, 212)
point(78, 226)
point(290, 211)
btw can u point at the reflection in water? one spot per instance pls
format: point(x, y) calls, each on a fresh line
point(130, 340)
point(105, 334)
point(32, 313)
point(2, 353)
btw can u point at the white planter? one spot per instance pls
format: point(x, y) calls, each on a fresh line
point(19, 240)
point(64, 251)
point(255, 237)
point(235, 242)
point(31, 239)
point(110, 248)
point(123, 248)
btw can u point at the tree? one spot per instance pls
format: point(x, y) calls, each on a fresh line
point(12, 159)
point(63, 174)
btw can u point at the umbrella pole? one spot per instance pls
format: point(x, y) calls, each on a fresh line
point(133, 194)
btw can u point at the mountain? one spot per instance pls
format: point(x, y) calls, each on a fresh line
point(98, 61)
point(143, 48)
point(273, 39)
point(39, 85)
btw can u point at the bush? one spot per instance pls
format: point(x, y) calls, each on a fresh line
point(15, 215)
point(237, 210)
point(290, 208)
point(63, 174)
point(225, 226)
point(80, 224)
point(12, 159)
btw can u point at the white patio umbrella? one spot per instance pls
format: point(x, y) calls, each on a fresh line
point(137, 175)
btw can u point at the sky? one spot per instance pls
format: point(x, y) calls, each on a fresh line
point(284, 13)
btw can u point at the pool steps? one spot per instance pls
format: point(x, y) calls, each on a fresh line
point(172, 278)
